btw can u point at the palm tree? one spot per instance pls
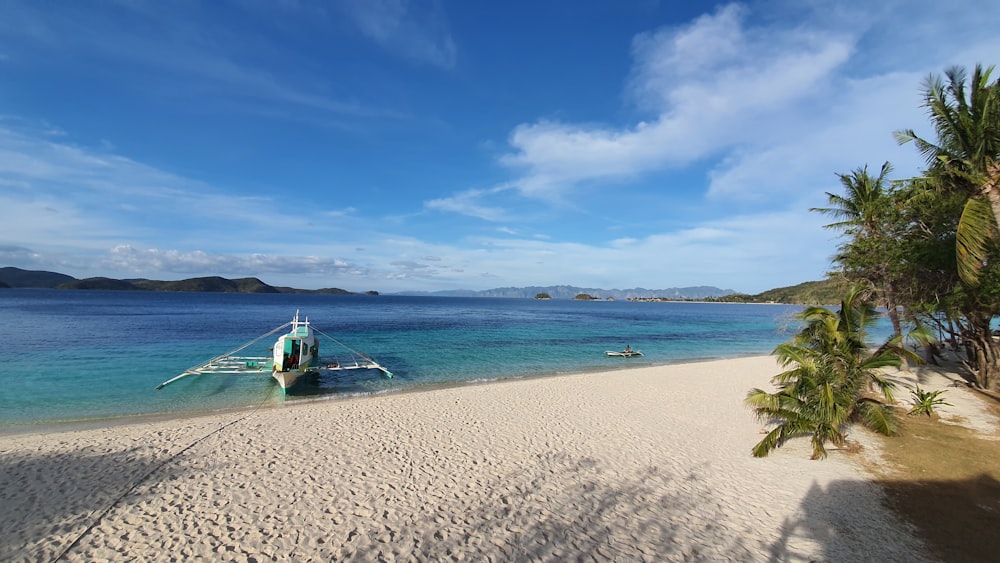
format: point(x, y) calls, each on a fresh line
point(831, 380)
point(966, 156)
point(864, 212)
point(860, 210)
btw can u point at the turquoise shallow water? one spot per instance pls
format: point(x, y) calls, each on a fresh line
point(96, 355)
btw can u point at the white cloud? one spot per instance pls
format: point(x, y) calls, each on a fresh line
point(757, 247)
point(776, 111)
point(746, 251)
point(556, 156)
point(126, 258)
point(712, 85)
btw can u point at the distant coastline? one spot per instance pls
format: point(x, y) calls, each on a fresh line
point(813, 292)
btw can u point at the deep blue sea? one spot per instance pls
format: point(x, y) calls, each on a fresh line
point(71, 356)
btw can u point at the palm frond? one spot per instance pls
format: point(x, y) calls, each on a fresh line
point(888, 358)
point(761, 402)
point(773, 440)
point(779, 435)
point(878, 417)
point(972, 237)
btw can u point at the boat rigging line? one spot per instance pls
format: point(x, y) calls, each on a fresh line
point(97, 520)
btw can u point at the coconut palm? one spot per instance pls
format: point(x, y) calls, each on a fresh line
point(860, 211)
point(865, 214)
point(966, 156)
point(833, 379)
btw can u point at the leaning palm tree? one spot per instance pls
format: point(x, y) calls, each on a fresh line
point(966, 156)
point(833, 379)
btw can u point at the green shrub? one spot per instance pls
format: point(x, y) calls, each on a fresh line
point(925, 401)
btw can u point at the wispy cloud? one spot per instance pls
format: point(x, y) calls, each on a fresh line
point(184, 57)
point(417, 31)
point(470, 202)
point(73, 208)
point(72, 195)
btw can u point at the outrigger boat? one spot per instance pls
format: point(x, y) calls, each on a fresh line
point(626, 353)
point(294, 354)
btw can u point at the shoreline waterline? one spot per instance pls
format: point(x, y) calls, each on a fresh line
point(96, 356)
point(273, 400)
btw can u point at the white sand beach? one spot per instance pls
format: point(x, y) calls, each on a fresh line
point(647, 464)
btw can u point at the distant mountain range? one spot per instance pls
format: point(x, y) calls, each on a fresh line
point(570, 292)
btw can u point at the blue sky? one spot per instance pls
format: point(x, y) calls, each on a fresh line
point(391, 145)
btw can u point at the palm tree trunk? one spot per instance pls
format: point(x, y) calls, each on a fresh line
point(893, 309)
point(930, 347)
point(985, 354)
point(897, 326)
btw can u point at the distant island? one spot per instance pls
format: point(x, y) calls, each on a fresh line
point(16, 277)
point(814, 292)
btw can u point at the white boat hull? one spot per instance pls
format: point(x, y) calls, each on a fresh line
point(286, 379)
point(629, 354)
point(294, 353)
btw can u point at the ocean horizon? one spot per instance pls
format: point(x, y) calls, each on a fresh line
point(97, 356)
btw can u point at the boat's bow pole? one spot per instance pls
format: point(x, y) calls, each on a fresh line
point(196, 370)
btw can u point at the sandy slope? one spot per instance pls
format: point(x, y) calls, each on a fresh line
point(645, 464)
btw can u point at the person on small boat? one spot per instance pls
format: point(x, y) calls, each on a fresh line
point(628, 349)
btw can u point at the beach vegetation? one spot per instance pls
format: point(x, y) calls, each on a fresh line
point(963, 177)
point(822, 292)
point(965, 158)
point(924, 401)
point(928, 247)
point(833, 378)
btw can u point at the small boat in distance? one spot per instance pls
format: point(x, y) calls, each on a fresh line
point(293, 354)
point(628, 352)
